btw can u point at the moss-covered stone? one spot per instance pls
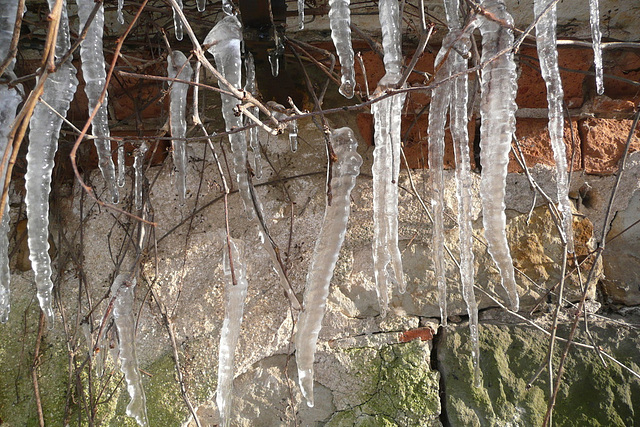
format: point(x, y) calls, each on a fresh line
point(400, 389)
point(590, 394)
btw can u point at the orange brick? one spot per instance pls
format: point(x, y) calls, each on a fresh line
point(603, 142)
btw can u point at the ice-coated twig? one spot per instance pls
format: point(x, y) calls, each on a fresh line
point(596, 40)
point(177, 22)
point(122, 290)
point(178, 67)
point(138, 163)
point(325, 255)
point(548, 54)
point(94, 73)
point(252, 133)
point(224, 39)
point(234, 308)
point(58, 92)
point(497, 110)
point(340, 23)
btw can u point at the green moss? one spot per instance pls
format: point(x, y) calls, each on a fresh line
point(400, 388)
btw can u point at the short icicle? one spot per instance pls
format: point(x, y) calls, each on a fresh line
point(224, 40)
point(497, 110)
point(235, 295)
point(95, 75)
point(123, 291)
point(325, 256)
point(202, 5)
point(138, 168)
point(250, 86)
point(596, 41)
point(548, 54)
point(340, 21)
point(301, 14)
point(58, 92)
point(386, 159)
point(177, 22)
point(179, 68)
point(120, 14)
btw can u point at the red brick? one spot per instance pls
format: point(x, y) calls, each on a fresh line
point(425, 334)
point(625, 64)
point(603, 142)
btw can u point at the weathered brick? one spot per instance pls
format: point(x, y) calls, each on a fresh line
point(603, 142)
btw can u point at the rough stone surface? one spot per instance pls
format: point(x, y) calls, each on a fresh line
point(604, 141)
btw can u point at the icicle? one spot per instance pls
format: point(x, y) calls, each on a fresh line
point(121, 164)
point(202, 4)
point(440, 98)
point(8, 11)
point(120, 15)
point(179, 68)
point(224, 40)
point(227, 7)
point(325, 255)
point(548, 54)
point(122, 289)
point(340, 21)
point(93, 71)
point(280, 113)
point(9, 101)
point(293, 135)
point(596, 37)
point(177, 22)
point(252, 133)
point(43, 143)
point(497, 109)
point(138, 163)
point(235, 295)
point(301, 14)
point(386, 160)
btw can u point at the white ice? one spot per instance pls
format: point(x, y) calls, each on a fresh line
point(138, 163)
point(95, 75)
point(178, 67)
point(301, 14)
point(224, 40)
point(235, 295)
point(177, 22)
point(59, 90)
point(340, 21)
point(120, 15)
point(596, 37)
point(497, 110)
point(255, 159)
point(325, 255)
point(548, 55)
point(123, 291)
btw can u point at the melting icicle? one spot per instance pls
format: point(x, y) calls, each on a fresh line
point(59, 90)
point(596, 37)
point(224, 40)
point(227, 7)
point(301, 14)
point(179, 68)
point(202, 4)
point(121, 164)
point(138, 163)
point(497, 109)
point(122, 289)
point(120, 15)
point(548, 54)
point(234, 308)
point(252, 133)
point(177, 22)
point(325, 255)
point(340, 21)
point(93, 71)
point(386, 160)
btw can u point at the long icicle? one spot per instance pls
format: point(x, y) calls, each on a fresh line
point(325, 255)
point(59, 90)
point(497, 110)
point(340, 23)
point(94, 73)
point(548, 55)
point(224, 39)
point(596, 40)
point(235, 295)
point(178, 67)
point(255, 160)
point(123, 291)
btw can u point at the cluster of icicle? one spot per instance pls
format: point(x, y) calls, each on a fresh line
point(10, 98)
point(45, 124)
point(325, 255)
point(387, 262)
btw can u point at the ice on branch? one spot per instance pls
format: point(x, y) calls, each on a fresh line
point(122, 290)
point(45, 124)
point(548, 54)
point(224, 41)
point(95, 75)
point(340, 21)
point(332, 234)
point(497, 111)
point(179, 68)
point(235, 294)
